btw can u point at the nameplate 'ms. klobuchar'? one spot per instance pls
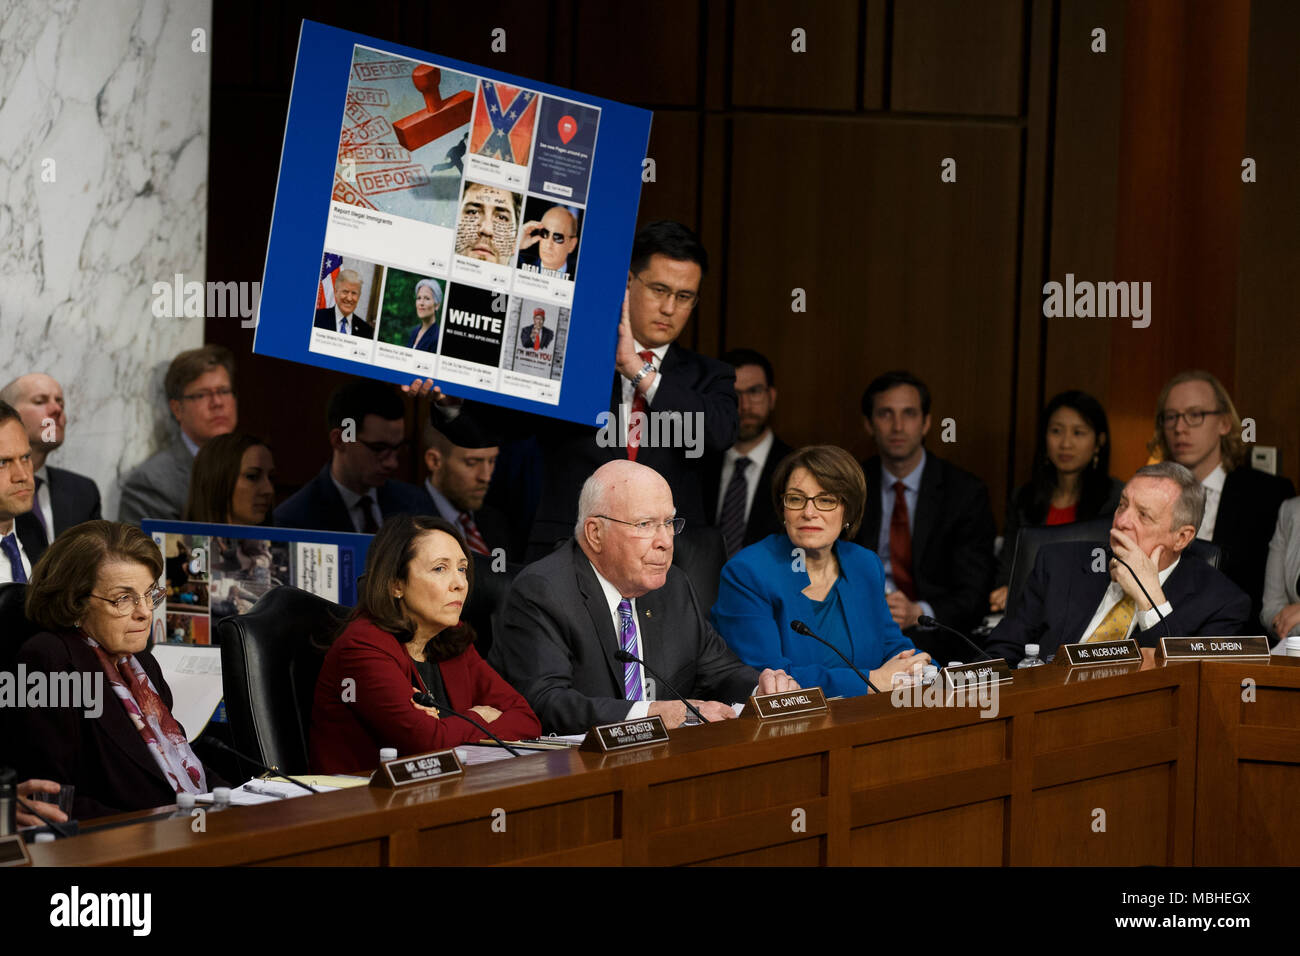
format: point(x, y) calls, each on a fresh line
point(626, 734)
point(418, 768)
point(791, 703)
point(1101, 652)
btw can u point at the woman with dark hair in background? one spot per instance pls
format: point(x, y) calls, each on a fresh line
point(232, 482)
point(1071, 479)
point(406, 636)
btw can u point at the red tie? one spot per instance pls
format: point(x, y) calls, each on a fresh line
point(537, 339)
point(472, 536)
point(900, 544)
point(638, 405)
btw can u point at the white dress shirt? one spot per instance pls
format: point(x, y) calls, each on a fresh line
point(1213, 485)
point(1148, 618)
point(350, 499)
point(639, 708)
point(6, 574)
point(190, 443)
point(757, 462)
point(911, 494)
point(346, 319)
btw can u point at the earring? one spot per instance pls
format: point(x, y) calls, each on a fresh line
point(1096, 457)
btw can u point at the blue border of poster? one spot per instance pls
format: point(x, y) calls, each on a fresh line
point(302, 208)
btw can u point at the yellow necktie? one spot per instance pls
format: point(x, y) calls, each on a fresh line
point(1114, 626)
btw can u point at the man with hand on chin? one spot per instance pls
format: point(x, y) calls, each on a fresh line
point(612, 588)
point(1076, 593)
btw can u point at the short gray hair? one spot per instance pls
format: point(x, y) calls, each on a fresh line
point(1189, 508)
point(351, 276)
point(591, 502)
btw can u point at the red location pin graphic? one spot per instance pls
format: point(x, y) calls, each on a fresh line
point(567, 127)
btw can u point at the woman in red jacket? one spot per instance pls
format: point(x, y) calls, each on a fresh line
point(405, 636)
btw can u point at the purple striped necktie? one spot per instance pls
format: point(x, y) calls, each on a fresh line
point(627, 641)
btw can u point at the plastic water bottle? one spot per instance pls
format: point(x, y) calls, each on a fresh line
point(386, 754)
point(185, 804)
point(1293, 647)
point(1031, 658)
point(220, 798)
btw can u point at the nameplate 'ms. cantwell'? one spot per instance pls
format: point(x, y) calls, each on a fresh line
point(791, 703)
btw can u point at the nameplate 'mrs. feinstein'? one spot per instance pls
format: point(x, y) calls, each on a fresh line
point(1102, 652)
point(789, 704)
point(1209, 648)
point(626, 734)
point(981, 672)
point(419, 768)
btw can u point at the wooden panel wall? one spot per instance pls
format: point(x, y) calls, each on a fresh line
point(820, 170)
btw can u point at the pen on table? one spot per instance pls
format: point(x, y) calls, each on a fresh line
point(264, 793)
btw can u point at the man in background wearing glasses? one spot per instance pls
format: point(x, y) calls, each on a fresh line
point(355, 491)
point(613, 588)
point(201, 395)
point(652, 374)
point(1197, 426)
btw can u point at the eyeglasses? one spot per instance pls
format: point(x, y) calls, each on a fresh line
point(126, 603)
point(208, 394)
point(661, 292)
point(794, 501)
point(1193, 417)
point(380, 448)
point(754, 393)
point(649, 527)
point(558, 238)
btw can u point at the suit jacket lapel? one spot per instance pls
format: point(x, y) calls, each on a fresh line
point(333, 501)
point(928, 502)
point(593, 596)
point(654, 649)
point(114, 722)
point(1084, 596)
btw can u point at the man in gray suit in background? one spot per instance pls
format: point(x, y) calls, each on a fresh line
point(201, 396)
point(614, 587)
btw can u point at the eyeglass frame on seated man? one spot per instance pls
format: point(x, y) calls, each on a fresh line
point(677, 525)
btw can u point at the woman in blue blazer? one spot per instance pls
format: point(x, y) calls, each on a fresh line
point(808, 574)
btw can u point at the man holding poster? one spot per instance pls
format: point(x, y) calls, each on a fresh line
point(667, 404)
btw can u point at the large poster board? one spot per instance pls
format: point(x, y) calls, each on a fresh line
point(435, 218)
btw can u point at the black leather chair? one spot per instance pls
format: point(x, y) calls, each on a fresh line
point(701, 553)
point(14, 626)
point(270, 660)
point(1029, 540)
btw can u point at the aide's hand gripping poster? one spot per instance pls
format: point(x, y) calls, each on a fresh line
point(442, 220)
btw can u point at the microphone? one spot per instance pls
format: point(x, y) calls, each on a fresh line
point(627, 657)
point(273, 771)
point(425, 699)
point(799, 627)
point(1144, 591)
point(926, 620)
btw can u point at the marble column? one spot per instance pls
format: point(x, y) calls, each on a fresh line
point(104, 126)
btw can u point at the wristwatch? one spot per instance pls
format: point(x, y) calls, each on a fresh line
point(646, 369)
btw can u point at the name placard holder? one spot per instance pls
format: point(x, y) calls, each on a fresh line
point(420, 768)
point(625, 735)
point(996, 671)
point(1215, 648)
point(808, 700)
point(1101, 652)
point(13, 851)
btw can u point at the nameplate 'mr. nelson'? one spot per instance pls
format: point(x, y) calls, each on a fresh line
point(420, 768)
